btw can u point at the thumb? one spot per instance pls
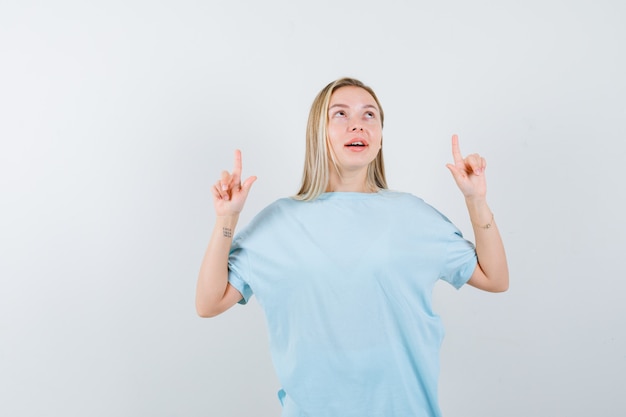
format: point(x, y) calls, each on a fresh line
point(457, 174)
point(454, 170)
point(247, 184)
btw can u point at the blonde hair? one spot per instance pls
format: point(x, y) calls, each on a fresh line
point(316, 175)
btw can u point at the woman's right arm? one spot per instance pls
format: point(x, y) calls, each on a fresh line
point(214, 294)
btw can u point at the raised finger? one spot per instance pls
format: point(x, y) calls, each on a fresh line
point(456, 150)
point(236, 180)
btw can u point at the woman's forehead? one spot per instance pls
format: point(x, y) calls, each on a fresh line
point(350, 95)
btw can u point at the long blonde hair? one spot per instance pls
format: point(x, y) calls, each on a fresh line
point(316, 175)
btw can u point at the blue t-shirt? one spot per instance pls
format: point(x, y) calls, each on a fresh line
point(346, 285)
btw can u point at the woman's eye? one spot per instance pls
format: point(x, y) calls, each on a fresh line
point(340, 113)
point(370, 115)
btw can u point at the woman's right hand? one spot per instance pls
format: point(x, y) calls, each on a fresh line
point(229, 194)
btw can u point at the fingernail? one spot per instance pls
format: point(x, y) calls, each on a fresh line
point(224, 187)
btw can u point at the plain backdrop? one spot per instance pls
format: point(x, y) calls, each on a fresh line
point(116, 117)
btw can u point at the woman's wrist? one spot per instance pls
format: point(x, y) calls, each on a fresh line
point(225, 225)
point(480, 214)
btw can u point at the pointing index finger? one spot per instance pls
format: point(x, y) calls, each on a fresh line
point(237, 167)
point(456, 150)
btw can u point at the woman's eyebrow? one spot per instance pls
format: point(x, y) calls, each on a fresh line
point(345, 106)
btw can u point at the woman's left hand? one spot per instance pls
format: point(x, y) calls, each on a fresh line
point(469, 172)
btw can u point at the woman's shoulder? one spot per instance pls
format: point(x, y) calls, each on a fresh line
point(402, 197)
point(277, 210)
point(281, 204)
point(411, 202)
point(269, 217)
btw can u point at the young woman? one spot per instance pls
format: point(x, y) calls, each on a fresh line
point(345, 270)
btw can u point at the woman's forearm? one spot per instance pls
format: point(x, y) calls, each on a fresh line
point(213, 277)
point(489, 245)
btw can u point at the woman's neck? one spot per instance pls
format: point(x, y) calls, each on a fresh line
point(355, 182)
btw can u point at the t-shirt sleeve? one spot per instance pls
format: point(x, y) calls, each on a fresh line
point(460, 260)
point(238, 269)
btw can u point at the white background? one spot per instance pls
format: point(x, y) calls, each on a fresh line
point(116, 117)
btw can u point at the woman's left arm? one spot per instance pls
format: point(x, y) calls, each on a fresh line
point(492, 272)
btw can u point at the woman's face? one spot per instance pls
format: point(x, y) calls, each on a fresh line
point(354, 128)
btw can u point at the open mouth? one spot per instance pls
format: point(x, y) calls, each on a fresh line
point(357, 144)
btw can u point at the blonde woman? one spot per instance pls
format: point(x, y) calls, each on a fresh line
point(345, 269)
